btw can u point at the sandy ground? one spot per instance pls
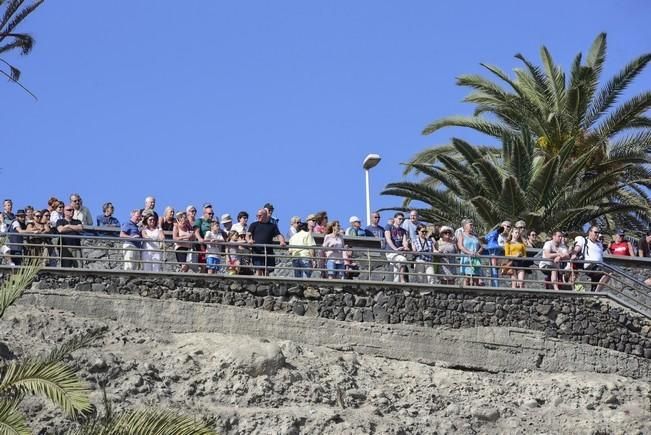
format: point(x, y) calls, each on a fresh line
point(242, 385)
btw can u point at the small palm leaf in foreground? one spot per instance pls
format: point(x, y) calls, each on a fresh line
point(145, 422)
point(14, 286)
point(54, 380)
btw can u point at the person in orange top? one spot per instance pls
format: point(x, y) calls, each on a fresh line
point(515, 247)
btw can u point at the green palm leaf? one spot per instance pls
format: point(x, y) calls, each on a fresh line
point(476, 123)
point(624, 115)
point(147, 422)
point(13, 287)
point(53, 380)
point(614, 88)
point(12, 422)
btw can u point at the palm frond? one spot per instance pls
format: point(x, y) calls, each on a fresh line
point(622, 117)
point(53, 380)
point(597, 54)
point(14, 286)
point(476, 123)
point(20, 40)
point(614, 88)
point(555, 80)
point(147, 422)
point(80, 341)
point(12, 7)
point(12, 422)
point(20, 16)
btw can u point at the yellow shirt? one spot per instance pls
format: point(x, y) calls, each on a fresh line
point(515, 249)
point(302, 238)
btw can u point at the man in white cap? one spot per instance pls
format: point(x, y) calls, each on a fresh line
point(227, 222)
point(355, 228)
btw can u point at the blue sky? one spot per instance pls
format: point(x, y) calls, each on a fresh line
point(240, 103)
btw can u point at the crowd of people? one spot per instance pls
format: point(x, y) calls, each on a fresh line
point(214, 244)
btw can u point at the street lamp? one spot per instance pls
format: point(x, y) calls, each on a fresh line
point(369, 162)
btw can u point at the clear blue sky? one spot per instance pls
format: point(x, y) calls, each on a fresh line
point(240, 103)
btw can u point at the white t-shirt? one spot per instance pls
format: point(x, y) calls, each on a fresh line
point(213, 249)
point(594, 251)
point(551, 247)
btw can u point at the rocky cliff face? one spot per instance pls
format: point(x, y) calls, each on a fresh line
point(243, 384)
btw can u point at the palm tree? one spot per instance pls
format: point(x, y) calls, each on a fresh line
point(571, 118)
point(15, 12)
point(488, 185)
point(45, 376)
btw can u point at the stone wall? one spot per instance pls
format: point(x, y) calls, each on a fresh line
point(584, 318)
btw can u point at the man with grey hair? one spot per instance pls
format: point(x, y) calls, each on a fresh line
point(294, 224)
point(410, 225)
point(150, 204)
point(81, 213)
point(263, 232)
point(131, 231)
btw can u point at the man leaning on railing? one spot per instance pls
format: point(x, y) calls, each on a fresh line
point(302, 255)
point(70, 246)
point(130, 230)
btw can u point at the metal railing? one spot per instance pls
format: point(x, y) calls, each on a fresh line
point(101, 252)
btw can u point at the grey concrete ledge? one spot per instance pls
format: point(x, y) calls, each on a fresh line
point(586, 318)
point(477, 348)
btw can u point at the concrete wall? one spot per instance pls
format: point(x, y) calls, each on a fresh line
point(584, 318)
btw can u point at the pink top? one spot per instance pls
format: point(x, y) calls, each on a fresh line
point(334, 241)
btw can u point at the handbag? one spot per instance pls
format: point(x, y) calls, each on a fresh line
point(506, 268)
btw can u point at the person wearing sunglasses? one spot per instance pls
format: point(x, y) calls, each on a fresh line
point(591, 250)
point(424, 265)
point(70, 246)
point(81, 212)
point(495, 241)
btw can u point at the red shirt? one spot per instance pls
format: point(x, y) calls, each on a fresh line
point(620, 248)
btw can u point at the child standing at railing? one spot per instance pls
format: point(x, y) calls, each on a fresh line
point(213, 239)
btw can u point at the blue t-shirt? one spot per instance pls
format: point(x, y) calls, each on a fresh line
point(491, 240)
point(107, 221)
point(131, 229)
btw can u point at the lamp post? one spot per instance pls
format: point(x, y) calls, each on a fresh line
point(369, 162)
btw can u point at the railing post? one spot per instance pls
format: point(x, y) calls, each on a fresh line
point(368, 256)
